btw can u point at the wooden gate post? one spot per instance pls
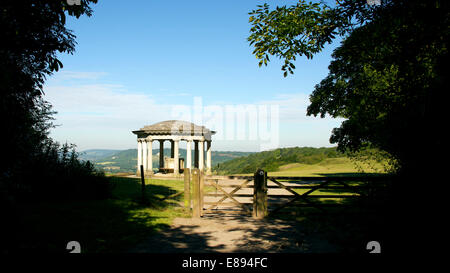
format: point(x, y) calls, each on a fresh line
point(260, 194)
point(201, 183)
point(196, 212)
point(187, 188)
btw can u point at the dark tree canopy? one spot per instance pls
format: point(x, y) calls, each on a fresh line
point(33, 33)
point(387, 78)
point(35, 167)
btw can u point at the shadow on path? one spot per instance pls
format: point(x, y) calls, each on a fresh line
point(236, 233)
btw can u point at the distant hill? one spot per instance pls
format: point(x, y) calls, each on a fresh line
point(300, 161)
point(126, 160)
point(95, 154)
point(272, 160)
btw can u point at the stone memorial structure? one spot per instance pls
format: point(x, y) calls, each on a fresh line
point(174, 131)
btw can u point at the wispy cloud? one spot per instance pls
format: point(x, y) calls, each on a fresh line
point(65, 75)
point(293, 108)
point(104, 102)
point(96, 114)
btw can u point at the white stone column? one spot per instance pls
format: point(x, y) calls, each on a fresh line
point(208, 157)
point(201, 154)
point(150, 156)
point(176, 156)
point(144, 154)
point(139, 156)
point(188, 155)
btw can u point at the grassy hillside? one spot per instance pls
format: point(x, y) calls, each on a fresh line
point(330, 166)
point(272, 160)
point(298, 161)
point(126, 160)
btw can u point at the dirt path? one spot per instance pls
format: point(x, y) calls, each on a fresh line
point(220, 233)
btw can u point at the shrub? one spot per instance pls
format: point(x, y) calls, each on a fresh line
point(56, 173)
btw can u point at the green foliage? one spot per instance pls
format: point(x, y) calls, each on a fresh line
point(301, 29)
point(33, 33)
point(374, 158)
point(387, 79)
point(57, 173)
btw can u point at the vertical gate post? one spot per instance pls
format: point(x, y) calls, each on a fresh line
point(201, 182)
point(196, 213)
point(260, 194)
point(187, 188)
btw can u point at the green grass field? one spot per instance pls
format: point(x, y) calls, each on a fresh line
point(329, 166)
point(107, 226)
point(121, 222)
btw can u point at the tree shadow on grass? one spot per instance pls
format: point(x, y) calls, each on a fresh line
point(155, 195)
point(100, 226)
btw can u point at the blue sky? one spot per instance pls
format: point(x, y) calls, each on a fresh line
point(137, 60)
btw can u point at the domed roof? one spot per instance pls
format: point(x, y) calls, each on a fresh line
point(174, 127)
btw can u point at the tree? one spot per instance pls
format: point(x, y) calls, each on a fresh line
point(33, 33)
point(387, 78)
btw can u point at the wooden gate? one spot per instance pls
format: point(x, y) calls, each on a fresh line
point(260, 195)
point(322, 193)
point(228, 194)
